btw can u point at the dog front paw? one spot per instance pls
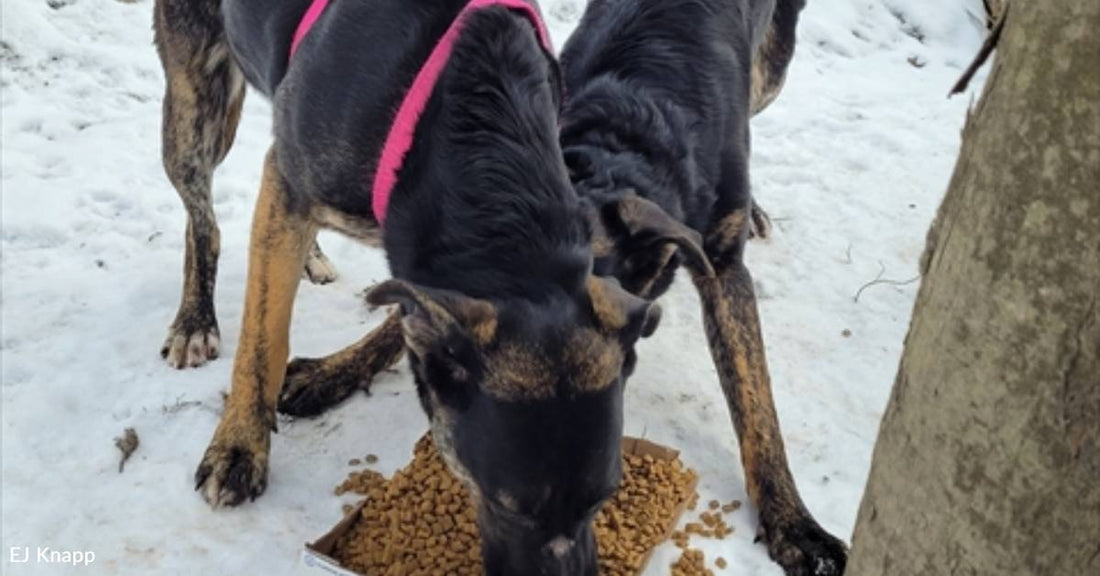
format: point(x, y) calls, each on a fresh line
point(313, 385)
point(234, 468)
point(804, 548)
point(192, 340)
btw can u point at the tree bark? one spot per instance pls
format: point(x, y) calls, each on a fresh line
point(988, 456)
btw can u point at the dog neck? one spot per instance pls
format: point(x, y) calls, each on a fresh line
point(618, 139)
point(483, 204)
point(403, 127)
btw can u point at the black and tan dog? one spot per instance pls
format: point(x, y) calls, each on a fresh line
point(519, 352)
point(660, 93)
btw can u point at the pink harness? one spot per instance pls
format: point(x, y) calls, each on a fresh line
point(400, 138)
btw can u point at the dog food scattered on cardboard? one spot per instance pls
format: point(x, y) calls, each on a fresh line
point(421, 522)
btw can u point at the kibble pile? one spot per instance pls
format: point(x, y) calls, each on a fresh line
point(640, 516)
point(420, 522)
point(692, 562)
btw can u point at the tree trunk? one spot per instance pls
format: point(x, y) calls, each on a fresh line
point(988, 457)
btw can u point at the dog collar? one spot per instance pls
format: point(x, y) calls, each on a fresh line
point(400, 137)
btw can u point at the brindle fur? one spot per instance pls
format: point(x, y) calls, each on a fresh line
point(769, 71)
point(732, 324)
point(204, 92)
point(314, 384)
point(773, 55)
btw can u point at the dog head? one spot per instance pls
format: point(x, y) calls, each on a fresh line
point(525, 403)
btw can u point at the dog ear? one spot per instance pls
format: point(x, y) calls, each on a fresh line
point(620, 312)
point(646, 225)
point(442, 328)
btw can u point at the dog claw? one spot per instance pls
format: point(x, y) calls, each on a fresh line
point(200, 477)
point(228, 475)
point(804, 548)
point(188, 346)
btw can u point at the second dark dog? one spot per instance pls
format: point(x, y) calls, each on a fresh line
point(656, 137)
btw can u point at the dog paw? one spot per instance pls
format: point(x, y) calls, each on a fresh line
point(319, 269)
point(760, 224)
point(313, 385)
point(233, 470)
point(191, 344)
point(804, 548)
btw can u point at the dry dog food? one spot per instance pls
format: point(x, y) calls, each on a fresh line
point(692, 562)
point(641, 513)
point(420, 522)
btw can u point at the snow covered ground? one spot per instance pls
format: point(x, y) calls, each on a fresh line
point(851, 161)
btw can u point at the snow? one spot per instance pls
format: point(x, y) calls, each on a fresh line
point(851, 162)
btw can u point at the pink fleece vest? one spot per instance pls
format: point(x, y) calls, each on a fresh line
point(400, 137)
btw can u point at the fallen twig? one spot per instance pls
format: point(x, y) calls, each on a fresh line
point(983, 54)
point(179, 405)
point(880, 280)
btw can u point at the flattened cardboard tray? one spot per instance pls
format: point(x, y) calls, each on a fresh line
point(318, 555)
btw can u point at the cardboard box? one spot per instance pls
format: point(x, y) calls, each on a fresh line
point(318, 555)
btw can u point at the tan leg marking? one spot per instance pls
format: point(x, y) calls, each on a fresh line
point(235, 465)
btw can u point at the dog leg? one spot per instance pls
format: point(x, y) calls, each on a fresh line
point(314, 385)
point(794, 538)
point(202, 106)
point(769, 71)
point(318, 269)
point(769, 64)
point(235, 465)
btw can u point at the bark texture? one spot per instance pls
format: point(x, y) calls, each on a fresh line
point(988, 457)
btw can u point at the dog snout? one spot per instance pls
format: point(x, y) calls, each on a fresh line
point(565, 556)
point(559, 548)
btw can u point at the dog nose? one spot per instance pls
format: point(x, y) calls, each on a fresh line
point(559, 547)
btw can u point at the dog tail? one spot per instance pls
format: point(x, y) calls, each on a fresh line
point(773, 55)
